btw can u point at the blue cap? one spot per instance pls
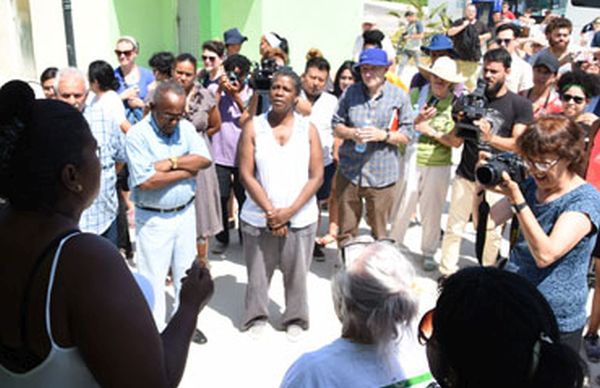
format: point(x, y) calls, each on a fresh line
point(438, 43)
point(374, 57)
point(233, 36)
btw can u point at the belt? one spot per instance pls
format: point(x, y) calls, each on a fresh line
point(172, 210)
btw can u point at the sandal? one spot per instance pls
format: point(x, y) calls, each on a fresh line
point(327, 239)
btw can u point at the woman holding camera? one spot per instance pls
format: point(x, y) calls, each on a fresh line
point(558, 214)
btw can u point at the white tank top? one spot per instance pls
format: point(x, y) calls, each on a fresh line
point(282, 171)
point(63, 367)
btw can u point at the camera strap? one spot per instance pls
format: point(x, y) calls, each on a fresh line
point(483, 211)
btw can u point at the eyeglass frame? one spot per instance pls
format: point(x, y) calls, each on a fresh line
point(541, 166)
point(127, 53)
point(170, 116)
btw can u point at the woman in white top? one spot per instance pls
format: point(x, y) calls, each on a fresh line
point(281, 167)
point(104, 83)
point(72, 314)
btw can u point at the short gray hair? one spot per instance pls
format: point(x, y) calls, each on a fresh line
point(375, 294)
point(70, 72)
point(164, 87)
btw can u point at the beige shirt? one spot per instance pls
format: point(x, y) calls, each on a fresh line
point(521, 75)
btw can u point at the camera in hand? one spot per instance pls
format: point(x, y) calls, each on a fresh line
point(262, 75)
point(232, 77)
point(469, 108)
point(433, 101)
point(490, 174)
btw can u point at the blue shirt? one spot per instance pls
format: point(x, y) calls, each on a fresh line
point(111, 149)
point(146, 78)
point(564, 283)
point(146, 145)
point(378, 165)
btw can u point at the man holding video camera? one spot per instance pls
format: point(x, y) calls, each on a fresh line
point(505, 118)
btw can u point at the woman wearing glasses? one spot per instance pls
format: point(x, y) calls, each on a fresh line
point(576, 89)
point(558, 214)
point(133, 79)
point(375, 299)
point(493, 329)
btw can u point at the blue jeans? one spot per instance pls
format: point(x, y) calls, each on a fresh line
point(112, 233)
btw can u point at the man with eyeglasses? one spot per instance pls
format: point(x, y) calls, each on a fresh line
point(164, 153)
point(520, 76)
point(133, 79)
point(101, 217)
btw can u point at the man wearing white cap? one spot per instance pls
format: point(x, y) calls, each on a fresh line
point(428, 182)
point(386, 43)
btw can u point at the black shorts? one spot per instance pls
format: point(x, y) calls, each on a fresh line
point(325, 189)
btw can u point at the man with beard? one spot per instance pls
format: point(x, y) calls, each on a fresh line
point(558, 33)
point(320, 106)
point(516, 113)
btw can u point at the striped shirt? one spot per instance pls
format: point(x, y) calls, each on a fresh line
point(378, 166)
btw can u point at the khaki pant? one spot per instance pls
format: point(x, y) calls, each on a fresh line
point(461, 206)
point(378, 202)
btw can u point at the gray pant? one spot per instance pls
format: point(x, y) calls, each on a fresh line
point(263, 253)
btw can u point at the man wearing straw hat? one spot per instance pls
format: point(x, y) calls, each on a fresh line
point(430, 157)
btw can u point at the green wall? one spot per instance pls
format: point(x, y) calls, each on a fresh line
point(152, 23)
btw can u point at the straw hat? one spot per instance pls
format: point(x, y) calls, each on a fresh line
point(444, 68)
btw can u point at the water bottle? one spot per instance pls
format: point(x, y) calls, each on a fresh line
point(362, 147)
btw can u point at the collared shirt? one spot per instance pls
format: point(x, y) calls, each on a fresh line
point(320, 116)
point(111, 148)
point(146, 145)
point(378, 165)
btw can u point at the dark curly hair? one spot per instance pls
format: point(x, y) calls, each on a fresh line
point(554, 135)
point(37, 139)
point(162, 62)
point(589, 83)
point(494, 329)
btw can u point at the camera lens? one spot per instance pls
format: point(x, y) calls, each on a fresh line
point(488, 175)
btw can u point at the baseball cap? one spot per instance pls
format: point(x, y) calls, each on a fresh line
point(373, 56)
point(233, 36)
point(547, 60)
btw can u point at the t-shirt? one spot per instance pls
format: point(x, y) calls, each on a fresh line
point(514, 109)
point(321, 114)
point(466, 43)
point(111, 105)
point(520, 76)
point(413, 28)
point(563, 283)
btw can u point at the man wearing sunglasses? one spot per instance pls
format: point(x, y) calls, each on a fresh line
point(521, 75)
point(164, 153)
point(133, 79)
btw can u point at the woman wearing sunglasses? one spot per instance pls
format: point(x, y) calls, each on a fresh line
point(576, 89)
point(375, 300)
point(558, 214)
point(213, 52)
point(493, 329)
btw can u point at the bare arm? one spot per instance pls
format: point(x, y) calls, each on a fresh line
point(125, 125)
point(214, 121)
point(452, 31)
point(501, 143)
point(114, 326)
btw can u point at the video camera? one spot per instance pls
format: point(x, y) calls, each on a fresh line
point(263, 73)
point(490, 174)
point(469, 108)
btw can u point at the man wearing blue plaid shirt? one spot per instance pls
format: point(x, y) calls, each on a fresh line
point(368, 168)
point(101, 217)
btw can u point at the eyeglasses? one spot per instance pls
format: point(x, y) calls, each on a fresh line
point(426, 327)
point(541, 166)
point(127, 53)
point(504, 42)
point(170, 116)
point(568, 97)
point(209, 58)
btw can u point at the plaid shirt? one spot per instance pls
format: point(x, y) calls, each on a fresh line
point(111, 149)
point(378, 165)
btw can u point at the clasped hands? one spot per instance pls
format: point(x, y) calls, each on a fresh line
point(369, 134)
point(278, 221)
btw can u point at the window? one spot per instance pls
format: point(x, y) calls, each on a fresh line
point(586, 3)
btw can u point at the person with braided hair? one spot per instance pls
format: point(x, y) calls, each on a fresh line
point(61, 325)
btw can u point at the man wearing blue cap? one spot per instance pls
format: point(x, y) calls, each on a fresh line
point(368, 158)
point(233, 39)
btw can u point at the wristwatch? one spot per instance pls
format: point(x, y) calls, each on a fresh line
point(516, 208)
point(387, 137)
point(173, 160)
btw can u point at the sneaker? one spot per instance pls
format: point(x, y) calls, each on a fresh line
point(318, 253)
point(429, 264)
point(257, 329)
point(294, 332)
point(219, 248)
point(592, 347)
point(199, 337)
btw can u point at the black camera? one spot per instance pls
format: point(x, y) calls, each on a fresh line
point(232, 77)
point(490, 174)
point(262, 75)
point(469, 108)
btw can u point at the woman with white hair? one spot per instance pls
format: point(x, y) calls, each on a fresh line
point(375, 300)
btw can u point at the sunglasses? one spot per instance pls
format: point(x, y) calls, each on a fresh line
point(127, 53)
point(541, 166)
point(568, 97)
point(209, 58)
point(505, 42)
point(170, 116)
point(426, 327)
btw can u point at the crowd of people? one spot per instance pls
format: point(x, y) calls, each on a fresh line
point(184, 153)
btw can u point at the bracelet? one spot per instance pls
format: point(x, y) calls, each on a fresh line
point(516, 208)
